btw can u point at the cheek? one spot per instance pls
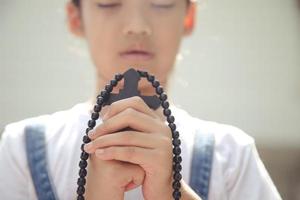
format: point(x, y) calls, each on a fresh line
point(101, 45)
point(98, 34)
point(169, 32)
point(168, 42)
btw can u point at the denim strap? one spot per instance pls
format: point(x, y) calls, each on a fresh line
point(37, 162)
point(202, 163)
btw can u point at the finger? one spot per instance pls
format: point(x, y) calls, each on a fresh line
point(133, 119)
point(128, 138)
point(135, 155)
point(135, 102)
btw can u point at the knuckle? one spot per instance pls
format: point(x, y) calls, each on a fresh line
point(137, 99)
point(95, 132)
point(130, 114)
point(112, 105)
point(129, 111)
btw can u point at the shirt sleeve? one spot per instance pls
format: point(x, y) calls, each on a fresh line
point(13, 166)
point(246, 176)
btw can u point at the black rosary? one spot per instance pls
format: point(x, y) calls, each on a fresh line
point(131, 79)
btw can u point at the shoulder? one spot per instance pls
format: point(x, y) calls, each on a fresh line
point(226, 136)
point(13, 135)
point(232, 145)
point(234, 150)
point(236, 162)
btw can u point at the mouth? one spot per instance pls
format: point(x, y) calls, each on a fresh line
point(136, 55)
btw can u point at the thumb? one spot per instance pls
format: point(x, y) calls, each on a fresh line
point(137, 179)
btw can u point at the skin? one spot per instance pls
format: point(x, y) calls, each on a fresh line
point(128, 156)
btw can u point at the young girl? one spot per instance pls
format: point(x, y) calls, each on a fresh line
point(145, 35)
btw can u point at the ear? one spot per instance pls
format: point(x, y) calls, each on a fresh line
point(189, 21)
point(74, 20)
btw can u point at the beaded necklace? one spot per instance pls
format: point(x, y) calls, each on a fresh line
point(131, 78)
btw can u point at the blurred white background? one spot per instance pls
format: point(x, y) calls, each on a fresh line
point(241, 67)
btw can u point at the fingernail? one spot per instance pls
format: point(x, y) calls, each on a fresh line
point(91, 133)
point(88, 146)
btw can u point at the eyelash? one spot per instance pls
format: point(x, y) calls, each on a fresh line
point(114, 5)
point(163, 6)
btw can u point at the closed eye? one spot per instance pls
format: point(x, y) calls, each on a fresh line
point(164, 6)
point(111, 5)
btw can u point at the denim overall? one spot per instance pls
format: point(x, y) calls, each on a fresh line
point(37, 161)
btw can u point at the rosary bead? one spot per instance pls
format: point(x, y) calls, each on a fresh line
point(86, 139)
point(113, 82)
point(177, 176)
point(150, 78)
point(108, 88)
point(118, 77)
point(170, 119)
point(177, 194)
point(155, 84)
point(91, 123)
point(167, 112)
point(81, 181)
point(100, 100)
point(165, 104)
point(84, 155)
point(80, 197)
point(88, 130)
point(82, 147)
point(159, 90)
point(82, 164)
point(176, 142)
point(82, 173)
point(80, 190)
point(142, 73)
point(163, 97)
point(176, 185)
point(172, 126)
point(177, 159)
point(176, 150)
point(175, 134)
point(104, 94)
point(97, 108)
point(177, 167)
point(95, 116)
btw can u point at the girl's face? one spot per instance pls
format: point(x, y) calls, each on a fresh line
point(144, 34)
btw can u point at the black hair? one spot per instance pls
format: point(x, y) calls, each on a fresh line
point(77, 2)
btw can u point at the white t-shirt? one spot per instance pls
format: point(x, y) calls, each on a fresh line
point(237, 171)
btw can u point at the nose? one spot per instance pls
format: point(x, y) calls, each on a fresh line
point(136, 23)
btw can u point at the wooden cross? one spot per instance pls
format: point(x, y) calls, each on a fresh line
point(131, 80)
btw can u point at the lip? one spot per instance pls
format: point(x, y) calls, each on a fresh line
point(136, 55)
